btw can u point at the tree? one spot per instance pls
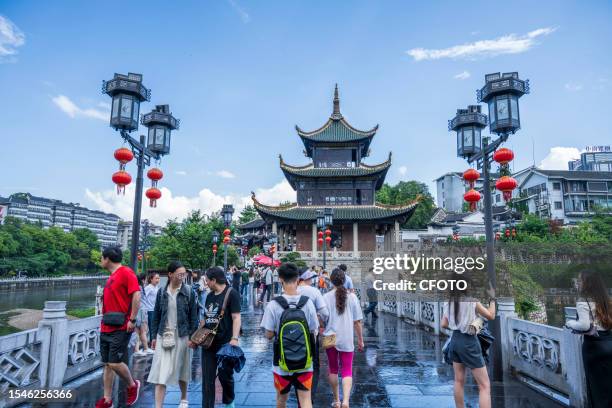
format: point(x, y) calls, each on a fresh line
point(254, 251)
point(405, 191)
point(248, 213)
point(87, 237)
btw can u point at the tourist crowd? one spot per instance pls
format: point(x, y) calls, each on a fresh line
point(305, 311)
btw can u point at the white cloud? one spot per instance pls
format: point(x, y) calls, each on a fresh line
point(172, 206)
point(558, 157)
point(572, 87)
point(72, 110)
point(225, 174)
point(244, 16)
point(507, 44)
point(402, 170)
point(463, 75)
point(11, 38)
point(180, 172)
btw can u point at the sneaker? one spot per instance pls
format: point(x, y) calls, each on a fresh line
point(150, 351)
point(103, 404)
point(133, 393)
point(140, 353)
point(183, 404)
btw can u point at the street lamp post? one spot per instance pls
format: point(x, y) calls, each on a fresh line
point(325, 219)
point(215, 238)
point(501, 92)
point(127, 92)
point(227, 212)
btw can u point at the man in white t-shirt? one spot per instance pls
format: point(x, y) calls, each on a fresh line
point(267, 280)
point(301, 380)
point(348, 281)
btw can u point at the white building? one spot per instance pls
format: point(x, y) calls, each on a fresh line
point(596, 158)
point(566, 195)
point(55, 213)
point(124, 232)
point(450, 189)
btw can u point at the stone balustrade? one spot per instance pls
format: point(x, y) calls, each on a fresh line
point(50, 356)
point(545, 358)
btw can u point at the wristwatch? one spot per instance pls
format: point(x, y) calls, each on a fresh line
point(235, 338)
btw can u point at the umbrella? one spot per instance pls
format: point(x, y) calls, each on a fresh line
point(231, 356)
point(266, 260)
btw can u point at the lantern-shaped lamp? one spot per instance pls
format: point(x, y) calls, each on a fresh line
point(502, 92)
point(468, 123)
point(127, 91)
point(160, 123)
point(215, 236)
point(328, 216)
point(320, 219)
point(227, 212)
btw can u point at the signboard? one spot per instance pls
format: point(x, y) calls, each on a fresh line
point(598, 149)
point(3, 213)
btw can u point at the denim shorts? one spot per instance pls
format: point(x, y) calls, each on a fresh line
point(465, 349)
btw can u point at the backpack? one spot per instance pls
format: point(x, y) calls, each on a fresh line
point(293, 342)
point(322, 283)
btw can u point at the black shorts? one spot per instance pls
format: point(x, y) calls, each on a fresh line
point(114, 346)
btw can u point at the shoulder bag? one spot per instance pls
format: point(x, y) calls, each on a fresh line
point(204, 336)
point(592, 330)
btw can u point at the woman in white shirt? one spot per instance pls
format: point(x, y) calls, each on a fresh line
point(148, 297)
point(595, 322)
point(464, 348)
point(344, 321)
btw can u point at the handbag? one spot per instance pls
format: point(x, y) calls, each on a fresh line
point(204, 336)
point(476, 326)
point(113, 319)
point(328, 341)
point(486, 339)
point(168, 341)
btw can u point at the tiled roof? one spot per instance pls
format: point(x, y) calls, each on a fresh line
point(256, 223)
point(577, 174)
point(336, 131)
point(341, 213)
point(311, 171)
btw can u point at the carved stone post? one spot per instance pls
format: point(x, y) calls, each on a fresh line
point(99, 294)
point(54, 319)
point(505, 310)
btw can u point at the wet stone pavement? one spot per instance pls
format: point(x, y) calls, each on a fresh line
point(400, 368)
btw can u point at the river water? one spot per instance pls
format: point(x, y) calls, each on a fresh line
point(77, 297)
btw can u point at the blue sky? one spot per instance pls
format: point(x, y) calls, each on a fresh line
point(240, 74)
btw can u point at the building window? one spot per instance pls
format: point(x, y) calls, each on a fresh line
point(497, 198)
point(558, 205)
point(556, 186)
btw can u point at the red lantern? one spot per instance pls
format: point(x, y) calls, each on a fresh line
point(513, 232)
point(503, 156)
point(215, 247)
point(123, 155)
point(455, 237)
point(471, 175)
point(320, 234)
point(226, 232)
point(139, 256)
point(328, 239)
point(320, 240)
point(226, 240)
point(507, 232)
point(506, 184)
point(153, 194)
point(328, 232)
point(121, 178)
point(472, 196)
point(497, 235)
point(155, 174)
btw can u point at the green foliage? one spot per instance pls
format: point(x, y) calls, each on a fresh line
point(248, 213)
point(526, 291)
point(254, 251)
point(190, 241)
point(406, 191)
point(295, 258)
point(82, 313)
point(38, 251)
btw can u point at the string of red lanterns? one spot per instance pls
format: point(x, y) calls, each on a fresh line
point(122, 178)
point(153, 193)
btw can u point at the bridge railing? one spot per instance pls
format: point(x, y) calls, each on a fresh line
point(543, 357)
point(49, 356)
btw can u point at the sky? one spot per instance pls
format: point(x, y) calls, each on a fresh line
point(240, 74)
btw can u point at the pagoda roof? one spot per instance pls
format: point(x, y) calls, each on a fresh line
point(380, 213)
point(308, 171)
point(336, 131)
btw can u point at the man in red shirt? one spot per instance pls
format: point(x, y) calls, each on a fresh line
point(121, 300)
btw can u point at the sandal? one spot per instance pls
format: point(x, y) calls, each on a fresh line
point(336, 404)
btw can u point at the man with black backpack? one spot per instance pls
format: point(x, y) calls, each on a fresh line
point(291, 320)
